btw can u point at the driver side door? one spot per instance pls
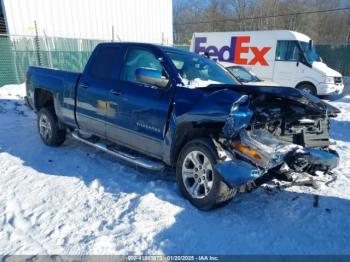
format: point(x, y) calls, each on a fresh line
point(141, 109)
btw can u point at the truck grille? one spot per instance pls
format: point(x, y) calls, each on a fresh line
point(338, 80)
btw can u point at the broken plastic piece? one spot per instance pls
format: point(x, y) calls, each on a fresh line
point(237, 172)
point(239, 117)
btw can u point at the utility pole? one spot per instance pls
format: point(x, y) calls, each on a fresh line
point(37, 44)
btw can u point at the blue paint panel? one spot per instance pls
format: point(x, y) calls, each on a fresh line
point(237, 172)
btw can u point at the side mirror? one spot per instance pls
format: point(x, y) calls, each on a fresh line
point(151, 76)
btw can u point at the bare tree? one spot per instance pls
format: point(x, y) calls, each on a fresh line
point(242, 15)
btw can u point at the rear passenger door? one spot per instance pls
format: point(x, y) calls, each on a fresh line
point(99, 77)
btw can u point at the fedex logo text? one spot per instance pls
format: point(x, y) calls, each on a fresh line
point(233, 52)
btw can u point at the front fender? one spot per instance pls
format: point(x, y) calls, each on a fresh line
point(193, 111)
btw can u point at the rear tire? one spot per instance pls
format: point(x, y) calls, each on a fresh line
point(48, 128)
point(199, 182)
point(308, 88)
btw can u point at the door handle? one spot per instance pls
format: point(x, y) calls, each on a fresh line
point(84, 85)
point(115, 92)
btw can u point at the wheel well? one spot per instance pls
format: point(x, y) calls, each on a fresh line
point(43, 98)
point(189, 131)
point(306, 83)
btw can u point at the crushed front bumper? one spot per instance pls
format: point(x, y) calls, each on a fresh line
point(270, 154)
point(237, 172)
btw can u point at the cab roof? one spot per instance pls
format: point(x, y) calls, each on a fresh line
point(161, 47)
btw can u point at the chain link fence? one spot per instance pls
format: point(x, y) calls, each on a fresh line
point(336, 57)
point(19, 52)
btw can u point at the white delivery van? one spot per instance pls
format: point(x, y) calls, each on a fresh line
point(285, 57)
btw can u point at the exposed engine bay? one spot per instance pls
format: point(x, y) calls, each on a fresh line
point(291, 123)
point(270, 133)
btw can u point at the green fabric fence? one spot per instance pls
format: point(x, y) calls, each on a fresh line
point(19, 52)
point(336, 57)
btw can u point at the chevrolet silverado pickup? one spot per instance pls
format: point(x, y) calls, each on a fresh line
point(159, 107)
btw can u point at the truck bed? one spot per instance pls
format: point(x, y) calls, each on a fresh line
point(61, 83)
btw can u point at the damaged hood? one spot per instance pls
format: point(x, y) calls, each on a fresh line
point(214, 102)
point(288, 93)
point(211, 106)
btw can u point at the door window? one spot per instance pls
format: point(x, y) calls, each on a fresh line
point(103, 66)
point(139, 58)
point(287, 51)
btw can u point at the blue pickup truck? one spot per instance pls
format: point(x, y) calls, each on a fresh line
point(159, 107)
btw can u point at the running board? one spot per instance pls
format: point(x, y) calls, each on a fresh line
point(137, 160)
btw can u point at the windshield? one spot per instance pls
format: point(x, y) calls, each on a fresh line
point(311, 55)
point(197, 71)
point(243, 74)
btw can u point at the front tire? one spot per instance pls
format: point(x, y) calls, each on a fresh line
point(48, 128)
point(197, 178)
point(308, 88)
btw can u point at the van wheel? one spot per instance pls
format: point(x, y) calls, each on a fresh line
point(48, 128)
point(197, 178)
point(307, 88)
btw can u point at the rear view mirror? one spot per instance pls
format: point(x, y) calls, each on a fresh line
point(151, 76)
point(311, 45)
point(301, 58)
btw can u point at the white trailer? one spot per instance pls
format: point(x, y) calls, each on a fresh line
point(285, 57)
point(127, 20)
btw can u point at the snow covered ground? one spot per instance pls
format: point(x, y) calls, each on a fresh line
point(76, 200)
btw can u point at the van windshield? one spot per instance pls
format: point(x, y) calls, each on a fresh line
point(197, 71)
point(243, 74)
point(310, 54)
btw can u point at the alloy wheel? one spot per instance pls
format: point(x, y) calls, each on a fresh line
point(197, 174)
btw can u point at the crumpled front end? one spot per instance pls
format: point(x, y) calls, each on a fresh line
point(250, 149)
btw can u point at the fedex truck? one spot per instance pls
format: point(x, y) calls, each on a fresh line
point(285, 57)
